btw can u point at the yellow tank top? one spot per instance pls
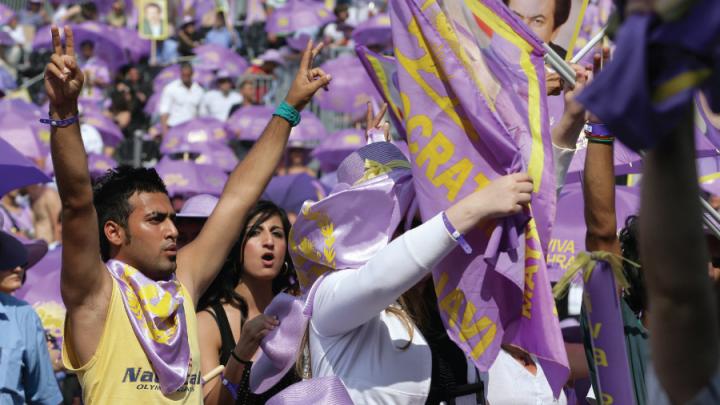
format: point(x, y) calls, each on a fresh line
point(120, 373)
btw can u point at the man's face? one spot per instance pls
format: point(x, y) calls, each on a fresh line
point(152, 13)
point(225, 86)
point(150, 245)
point(87, 51)
point(248, 91)
point(186, 75)
point(538, 15)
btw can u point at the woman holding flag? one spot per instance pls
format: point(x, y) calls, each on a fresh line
point(364, 328)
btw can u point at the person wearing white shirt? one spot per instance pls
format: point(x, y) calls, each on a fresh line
point(218, 102)
point(180, 99)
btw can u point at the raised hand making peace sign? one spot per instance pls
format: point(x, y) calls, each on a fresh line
point(308, 79)
point(63, 78)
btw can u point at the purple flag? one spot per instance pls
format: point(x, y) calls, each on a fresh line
point(656, 69)
point(471, 76)
point(383, 73)
point(568, 236)
point(607, 335)
point(707, 123)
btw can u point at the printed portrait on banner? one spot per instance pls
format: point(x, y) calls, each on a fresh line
point(153, 19)
point(555, 22)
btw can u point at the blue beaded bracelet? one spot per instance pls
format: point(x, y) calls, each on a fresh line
point(288, 113)
point(59, 123)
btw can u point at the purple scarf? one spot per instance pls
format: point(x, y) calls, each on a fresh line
point(157, 315)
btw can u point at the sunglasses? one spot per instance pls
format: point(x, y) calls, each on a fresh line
point(715, 262)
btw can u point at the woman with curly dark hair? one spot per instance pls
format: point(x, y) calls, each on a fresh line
point(230, 313)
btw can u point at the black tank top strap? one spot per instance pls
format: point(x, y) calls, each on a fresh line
point(227, 343)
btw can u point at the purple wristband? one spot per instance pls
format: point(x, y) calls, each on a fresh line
point(456, 235)
point(233, 388)
point(59, 123)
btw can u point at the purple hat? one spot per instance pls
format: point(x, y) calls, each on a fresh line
point(348, 227)
point(36, 250)
point(272, 55)
point(188, 19)
point(319, 390)
point(281, 346)
point(199, 206)
point(223, 74)
point(12, 252)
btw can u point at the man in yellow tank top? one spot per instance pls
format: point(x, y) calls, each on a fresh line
point(130, 330)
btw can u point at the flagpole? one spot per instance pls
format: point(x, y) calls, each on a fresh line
point(589, 46)
point(561, 67)
point(153, 52)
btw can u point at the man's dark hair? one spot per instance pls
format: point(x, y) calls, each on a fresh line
point(341, 8)
point(87, 42)
point(186, 65)
point(635, 296)
point(111, 194)
point(561, 13)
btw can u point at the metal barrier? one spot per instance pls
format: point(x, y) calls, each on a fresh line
point(15, 4)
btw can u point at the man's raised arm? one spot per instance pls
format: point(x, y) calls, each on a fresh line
point(82, 267)
point(683, 312)
point(200, 261)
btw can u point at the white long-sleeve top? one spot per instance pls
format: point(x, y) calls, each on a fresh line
point(352, 337)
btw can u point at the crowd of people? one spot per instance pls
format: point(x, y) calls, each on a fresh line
point(190, 212)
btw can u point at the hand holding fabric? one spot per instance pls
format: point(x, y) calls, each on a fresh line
point(503, 197)
point(253, 333)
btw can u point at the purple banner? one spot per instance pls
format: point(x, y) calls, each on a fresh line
point(473, 103)
point(607, 335)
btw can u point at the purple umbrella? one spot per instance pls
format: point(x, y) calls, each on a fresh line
point(626, 161)
point(216, 57)
point(108, 42)
point(22, 135)
point(110, 132)
point(336, 147)
point(6, 13)
point(211, 153)
point(183, 137)
point(291, 191)
point(16, 170)
point(351, 87)
point(42, 291)
point(248, 123)
point(568, 234)
point(309, 133)
point(296, 15)
point(99, 164)
point(375, 31)
point(218, 155)
point(135, 46)
point(187, 178)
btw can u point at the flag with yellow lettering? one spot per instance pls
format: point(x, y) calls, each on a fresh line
point(471, 83)
point(383, 73)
